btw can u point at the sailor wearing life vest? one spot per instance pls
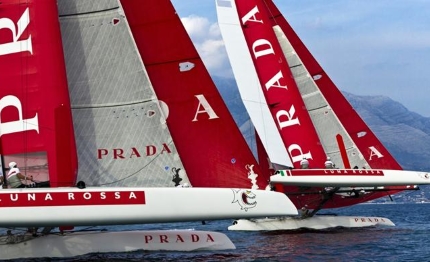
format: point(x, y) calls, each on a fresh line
point(328, 164)
point(304, 164)
point(14, 176)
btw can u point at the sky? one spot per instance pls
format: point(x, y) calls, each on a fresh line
point(367, 47)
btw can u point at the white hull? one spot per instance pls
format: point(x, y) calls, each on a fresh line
point(81, 243)
point(350, 177)
point(115, 206)
point(316, 222)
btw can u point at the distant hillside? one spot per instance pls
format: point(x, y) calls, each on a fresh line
point(405, 134)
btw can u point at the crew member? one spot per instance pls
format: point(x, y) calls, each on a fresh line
point(304, 164)
point(328, 163)
point(14, 177)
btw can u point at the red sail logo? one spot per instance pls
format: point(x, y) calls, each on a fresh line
point(282, 95)
point(123, 153)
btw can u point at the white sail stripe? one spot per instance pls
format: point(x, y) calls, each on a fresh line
point(249, 84)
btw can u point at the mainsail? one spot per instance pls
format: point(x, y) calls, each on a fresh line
point(211, 147)
point(121, 134)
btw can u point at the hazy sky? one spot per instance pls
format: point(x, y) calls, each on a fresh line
point(368, 47)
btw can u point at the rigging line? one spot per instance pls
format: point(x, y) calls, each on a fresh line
point(136, 172)
point(174, 61)
point(272, 17)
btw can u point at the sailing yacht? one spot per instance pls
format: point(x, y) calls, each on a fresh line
point(299, 114)
point(77, 104)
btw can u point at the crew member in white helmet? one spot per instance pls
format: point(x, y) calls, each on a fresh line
point(304, 164)
point(328, 164)
point(14, 177)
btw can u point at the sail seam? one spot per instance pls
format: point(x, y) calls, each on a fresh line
point(92, 12)
point(111, 105)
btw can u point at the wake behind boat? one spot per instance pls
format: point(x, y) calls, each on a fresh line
point(317, 222)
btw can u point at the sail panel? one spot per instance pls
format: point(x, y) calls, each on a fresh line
point(121, 133)
point(75, 7)
point(323, 117)
point(279, 88)
point(249, 86)
point(34, 87)
point(210, 144)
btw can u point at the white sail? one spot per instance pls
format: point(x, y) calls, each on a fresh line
point(248, 83)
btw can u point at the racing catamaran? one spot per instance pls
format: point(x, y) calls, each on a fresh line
point(75, 90)
point(300, 115)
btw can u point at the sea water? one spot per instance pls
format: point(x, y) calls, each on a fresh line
point(407, 241)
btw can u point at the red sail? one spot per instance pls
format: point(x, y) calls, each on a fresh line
point(35, 110)
point(280, 89)
point(211, 147)
point(372, 149)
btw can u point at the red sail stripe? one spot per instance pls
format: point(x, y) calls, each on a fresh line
point(281, 92)
point(343, 152)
